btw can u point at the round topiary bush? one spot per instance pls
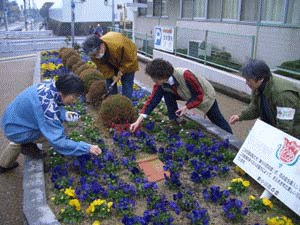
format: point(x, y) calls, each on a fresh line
point(89, 76)
point(96, 91)
point(83, 67)
point(68, 53)
point(77, 65)
point(115, 110)
point(61, 51)
point(72, 60)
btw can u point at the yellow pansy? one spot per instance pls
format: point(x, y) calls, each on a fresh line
point(96, 222)
point(62, 210)
point(76, 203)
point(90, 209)
point(267, 202)
point(237, 180)
point(70, 192)
point(55, 77)
point(246, 183)
point(251, 197)
point(109, 205)
point(44, 66)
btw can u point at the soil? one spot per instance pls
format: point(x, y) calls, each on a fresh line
point(214, 211)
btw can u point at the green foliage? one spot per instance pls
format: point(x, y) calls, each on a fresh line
point(70, 215)
point(72, 60)
point(89, 76)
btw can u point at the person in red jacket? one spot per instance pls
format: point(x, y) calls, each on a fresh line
point(180, 84)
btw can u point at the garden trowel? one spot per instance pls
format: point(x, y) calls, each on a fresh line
point(109, 90)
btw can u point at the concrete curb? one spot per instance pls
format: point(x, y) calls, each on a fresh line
point(35, 207)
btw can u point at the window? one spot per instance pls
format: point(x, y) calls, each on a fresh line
point(159, 8)
point(250, 11)
point(231, 9)
point(293, 16)
point(200, 8)
point(273, 10)
point(156, 8)
point(150, 8)
point(142, 11)
point(214, 9)
point(187, 8)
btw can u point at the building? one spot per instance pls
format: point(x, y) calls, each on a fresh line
point(238, 29)
point(87, 12)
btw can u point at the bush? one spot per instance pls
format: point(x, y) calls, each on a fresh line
point(83, 67)
point(89, 76)
point(77, 65)
point(96, 91)
point(68, 53)
point(61, 51)
point(72, 60)
point(116, 109)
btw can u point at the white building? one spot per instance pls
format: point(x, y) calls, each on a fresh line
point(265, 29)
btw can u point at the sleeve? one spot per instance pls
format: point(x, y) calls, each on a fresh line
point(195, 89)
point(104, 68)
point(153, 100)
point(286, 106)
point(53, 131)
point(252, 111)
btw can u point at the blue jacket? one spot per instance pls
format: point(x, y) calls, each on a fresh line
point(38, 111)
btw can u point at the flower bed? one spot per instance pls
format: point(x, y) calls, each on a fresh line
point(203, 186)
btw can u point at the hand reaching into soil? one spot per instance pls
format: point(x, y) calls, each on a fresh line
point(95, 150)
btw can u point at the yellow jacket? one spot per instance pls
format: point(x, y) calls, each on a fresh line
point(120, 55)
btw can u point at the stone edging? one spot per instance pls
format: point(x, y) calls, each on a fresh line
point(35, 207)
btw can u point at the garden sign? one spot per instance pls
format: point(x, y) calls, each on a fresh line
point(271, 157)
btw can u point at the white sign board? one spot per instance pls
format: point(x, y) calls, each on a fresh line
point(164, 38)
point(271, 157)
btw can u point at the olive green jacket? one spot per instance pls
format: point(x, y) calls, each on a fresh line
point(122, 55)
point(282, 97)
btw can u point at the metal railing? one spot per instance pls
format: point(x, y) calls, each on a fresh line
point(25, 45)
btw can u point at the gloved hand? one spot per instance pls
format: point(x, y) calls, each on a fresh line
point(71, 116)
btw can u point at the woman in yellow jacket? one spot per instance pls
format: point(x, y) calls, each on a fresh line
point(116, 57)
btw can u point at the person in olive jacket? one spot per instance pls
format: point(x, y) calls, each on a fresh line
point(116, 58)
point(275, 100)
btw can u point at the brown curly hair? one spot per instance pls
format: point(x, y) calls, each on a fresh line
point(159, 69)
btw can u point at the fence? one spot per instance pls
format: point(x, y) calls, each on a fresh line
point(222, 50)
point(25, 45)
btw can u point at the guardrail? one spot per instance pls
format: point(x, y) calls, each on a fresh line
point(8, 46)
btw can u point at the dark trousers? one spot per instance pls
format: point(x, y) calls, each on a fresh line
point(214, 114)
point(127, 85)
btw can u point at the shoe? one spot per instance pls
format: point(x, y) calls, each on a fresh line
point(31, 149)
point(3, 169)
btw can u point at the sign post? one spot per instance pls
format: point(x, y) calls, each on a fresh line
point(271, 157)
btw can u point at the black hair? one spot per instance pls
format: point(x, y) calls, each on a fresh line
point(69, 84)
point(90, 43)
point(256, 69)
point(159, 69)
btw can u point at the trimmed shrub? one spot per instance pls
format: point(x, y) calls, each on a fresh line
point(61, 51)
point(96, 91)
point(77, 65)
point(116, 109)
point(72, 60)
point(68, 53)
point(81, 68)
point(89, 76)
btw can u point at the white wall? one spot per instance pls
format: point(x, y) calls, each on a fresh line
point(89, 11)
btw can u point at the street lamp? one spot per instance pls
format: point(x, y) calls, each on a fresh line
point(112, 12)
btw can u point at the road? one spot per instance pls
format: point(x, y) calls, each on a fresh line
point(16, 75)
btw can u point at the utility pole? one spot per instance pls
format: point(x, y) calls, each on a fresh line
point(5, 9)
point(73, 22)
point(25, 14)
